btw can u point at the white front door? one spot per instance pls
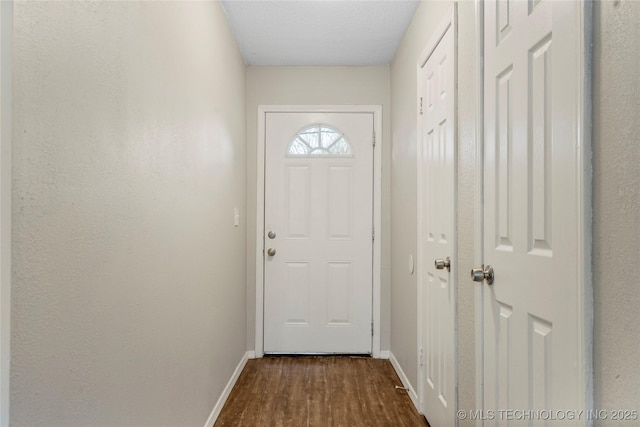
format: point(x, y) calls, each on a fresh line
point(318, 266)
point(437, 302)
point(535, 310)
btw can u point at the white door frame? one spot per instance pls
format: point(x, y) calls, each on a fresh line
point(6, 47)
point(584, 208)
point(478, 223)
point(376, 110)
point(449, 21)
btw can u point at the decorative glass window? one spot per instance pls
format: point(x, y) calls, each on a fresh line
point(320, 140)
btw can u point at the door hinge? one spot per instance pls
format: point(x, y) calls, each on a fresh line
point(373, 233)
point(420, 105)
point(374, 138)
point(372, 328)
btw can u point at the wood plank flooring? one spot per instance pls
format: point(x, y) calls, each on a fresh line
point(318, 391)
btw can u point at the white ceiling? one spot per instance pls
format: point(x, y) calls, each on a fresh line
point(311, 32)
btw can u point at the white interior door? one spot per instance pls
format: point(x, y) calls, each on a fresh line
point(318, 269)
point(534, 312)
point(437, 170)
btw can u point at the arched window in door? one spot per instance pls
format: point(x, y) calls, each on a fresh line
point(319, 140)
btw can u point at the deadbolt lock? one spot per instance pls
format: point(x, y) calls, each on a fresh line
point(271, 235)
point(484, 273)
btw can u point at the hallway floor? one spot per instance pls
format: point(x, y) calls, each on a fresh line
point(319, 391)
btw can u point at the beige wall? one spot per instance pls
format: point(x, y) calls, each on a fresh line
point(316, 86)
point(6, 83)
point(404, 190)
point(616, 204)
point(129, 157)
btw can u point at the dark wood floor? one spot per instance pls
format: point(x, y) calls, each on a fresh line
point(318, 391)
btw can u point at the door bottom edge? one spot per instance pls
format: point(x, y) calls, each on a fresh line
point(314, 353)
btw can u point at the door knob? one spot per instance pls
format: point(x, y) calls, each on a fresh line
point(480, 274)
point(271, 252)
point(271, 235)
point(441, 264)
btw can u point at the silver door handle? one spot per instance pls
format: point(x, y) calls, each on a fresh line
point(271, 252)
point(441, 264)
point(480, 274)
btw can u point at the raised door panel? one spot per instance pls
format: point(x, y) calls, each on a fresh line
point(340, 202)
point(340, 294)
point(296, 296)
point(297, 197)
point(540, 177)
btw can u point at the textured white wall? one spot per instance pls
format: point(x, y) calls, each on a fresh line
point(129, 158)
point(316, 86)
point(6, 83)
point(616, 204)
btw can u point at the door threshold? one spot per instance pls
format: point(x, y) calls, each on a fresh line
point(319, 354)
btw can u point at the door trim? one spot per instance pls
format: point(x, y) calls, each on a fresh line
point(449, 21)
point(584, 199)
point(585, 203)
point(376, 110)
point(478, 226)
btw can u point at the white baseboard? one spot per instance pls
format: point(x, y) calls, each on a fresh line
point(405, 381)
point(227, 390)
point(385, 354)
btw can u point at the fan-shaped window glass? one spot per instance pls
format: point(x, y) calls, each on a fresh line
point(320, 140)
